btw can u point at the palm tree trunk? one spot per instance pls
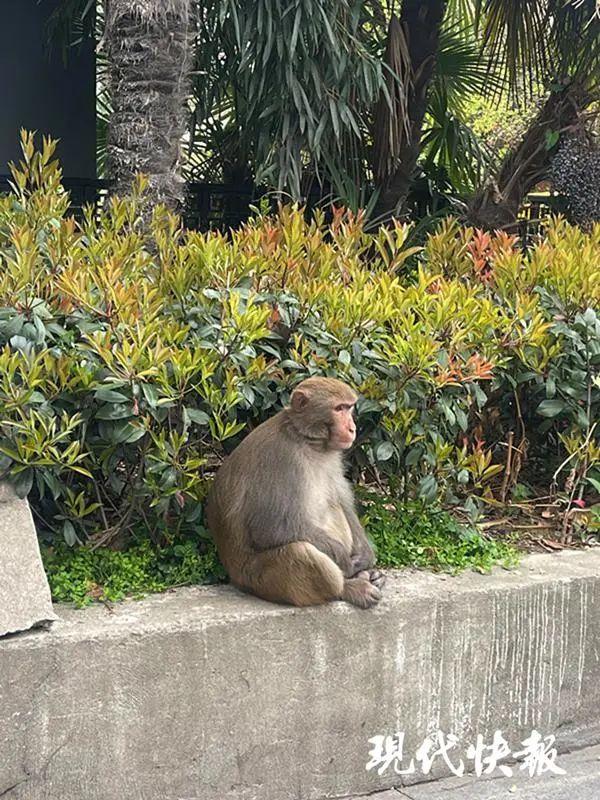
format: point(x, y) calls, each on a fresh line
point(148, 45)
point(497, 204)
point(412, 47)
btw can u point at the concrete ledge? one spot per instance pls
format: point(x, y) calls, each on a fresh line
point(206, 694)
point(25, 600)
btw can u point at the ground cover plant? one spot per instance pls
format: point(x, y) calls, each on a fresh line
point(404, 534)
point(135, 354)
point(83, 575)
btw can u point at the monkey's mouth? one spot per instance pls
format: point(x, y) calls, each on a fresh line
point(343, 442)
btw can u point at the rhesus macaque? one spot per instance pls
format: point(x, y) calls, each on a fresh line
point(282, 513)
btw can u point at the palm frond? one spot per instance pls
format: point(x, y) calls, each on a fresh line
point(462, 69)
point(539, 41)
point(392, 122)
point(515, 34)
point(449, 143)
point(461, 15)
point(306, 78)
point(576, 36)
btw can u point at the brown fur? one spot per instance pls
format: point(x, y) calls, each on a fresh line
point(282, 513)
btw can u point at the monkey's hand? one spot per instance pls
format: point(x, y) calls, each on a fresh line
point(365, 559)
point(332, 548)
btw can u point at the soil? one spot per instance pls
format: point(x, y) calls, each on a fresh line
point(541, 525)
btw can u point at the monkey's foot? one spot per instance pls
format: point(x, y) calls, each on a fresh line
point(375, 576)
point(361, 592)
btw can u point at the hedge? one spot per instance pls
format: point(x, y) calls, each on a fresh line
point(133, 356)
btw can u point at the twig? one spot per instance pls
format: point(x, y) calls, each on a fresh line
point(102, 512)
point(493, 523)
point(584, 444)
point(538, 526)
point(507, 468)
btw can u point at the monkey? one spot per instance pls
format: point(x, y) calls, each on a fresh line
point(281, 510)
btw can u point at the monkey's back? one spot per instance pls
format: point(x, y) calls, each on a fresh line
point(256, 456)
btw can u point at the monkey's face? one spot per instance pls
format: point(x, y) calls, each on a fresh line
point(322, 412)
point(342, 428)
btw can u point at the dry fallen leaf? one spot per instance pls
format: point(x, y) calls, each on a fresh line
point(95, 591)
point(551, 544)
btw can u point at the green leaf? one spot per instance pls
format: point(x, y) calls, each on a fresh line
point(551, 139)
point(151, 394)
point(69, 533)
point(107, 395)
point(384, 451)
point(197, 416)
point(114, 412)
point(448, 413)
point(428, 488)
point(463, 477)
point(595, 483)
point(413, 456)
point(551, 408)
point(23, 483)
point(125, 432)
point(20, 343)
point(461, 418)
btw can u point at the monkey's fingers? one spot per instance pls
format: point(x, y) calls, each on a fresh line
point(377, 577)
point(361, 592)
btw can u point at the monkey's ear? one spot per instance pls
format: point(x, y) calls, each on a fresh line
point(299, 399)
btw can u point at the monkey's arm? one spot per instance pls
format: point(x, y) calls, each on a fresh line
point(363, 555)
point(268, 529)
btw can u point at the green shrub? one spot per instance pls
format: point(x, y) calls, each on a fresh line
point(405, 534)
point(133, 358)
point(82, 575)
point(413, 534)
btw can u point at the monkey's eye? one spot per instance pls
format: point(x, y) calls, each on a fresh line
point(343, 407)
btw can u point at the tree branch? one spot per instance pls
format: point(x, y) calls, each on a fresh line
point(497, 204)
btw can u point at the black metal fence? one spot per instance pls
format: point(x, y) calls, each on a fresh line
point(82, 191)
point(207, 205)
point(212, 206)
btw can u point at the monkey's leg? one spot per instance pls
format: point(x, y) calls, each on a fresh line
point(362, 555)
point(300, 574)
point(362, 561)
point(296, 573)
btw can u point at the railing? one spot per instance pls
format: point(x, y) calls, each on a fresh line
point(210, 206)
point(207, 205)
point(536, 212)
point(82, 191)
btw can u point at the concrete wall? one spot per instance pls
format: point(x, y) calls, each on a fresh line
point(204, 694)
point(25, 599)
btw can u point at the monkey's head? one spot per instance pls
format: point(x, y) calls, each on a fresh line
point(321, 411)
